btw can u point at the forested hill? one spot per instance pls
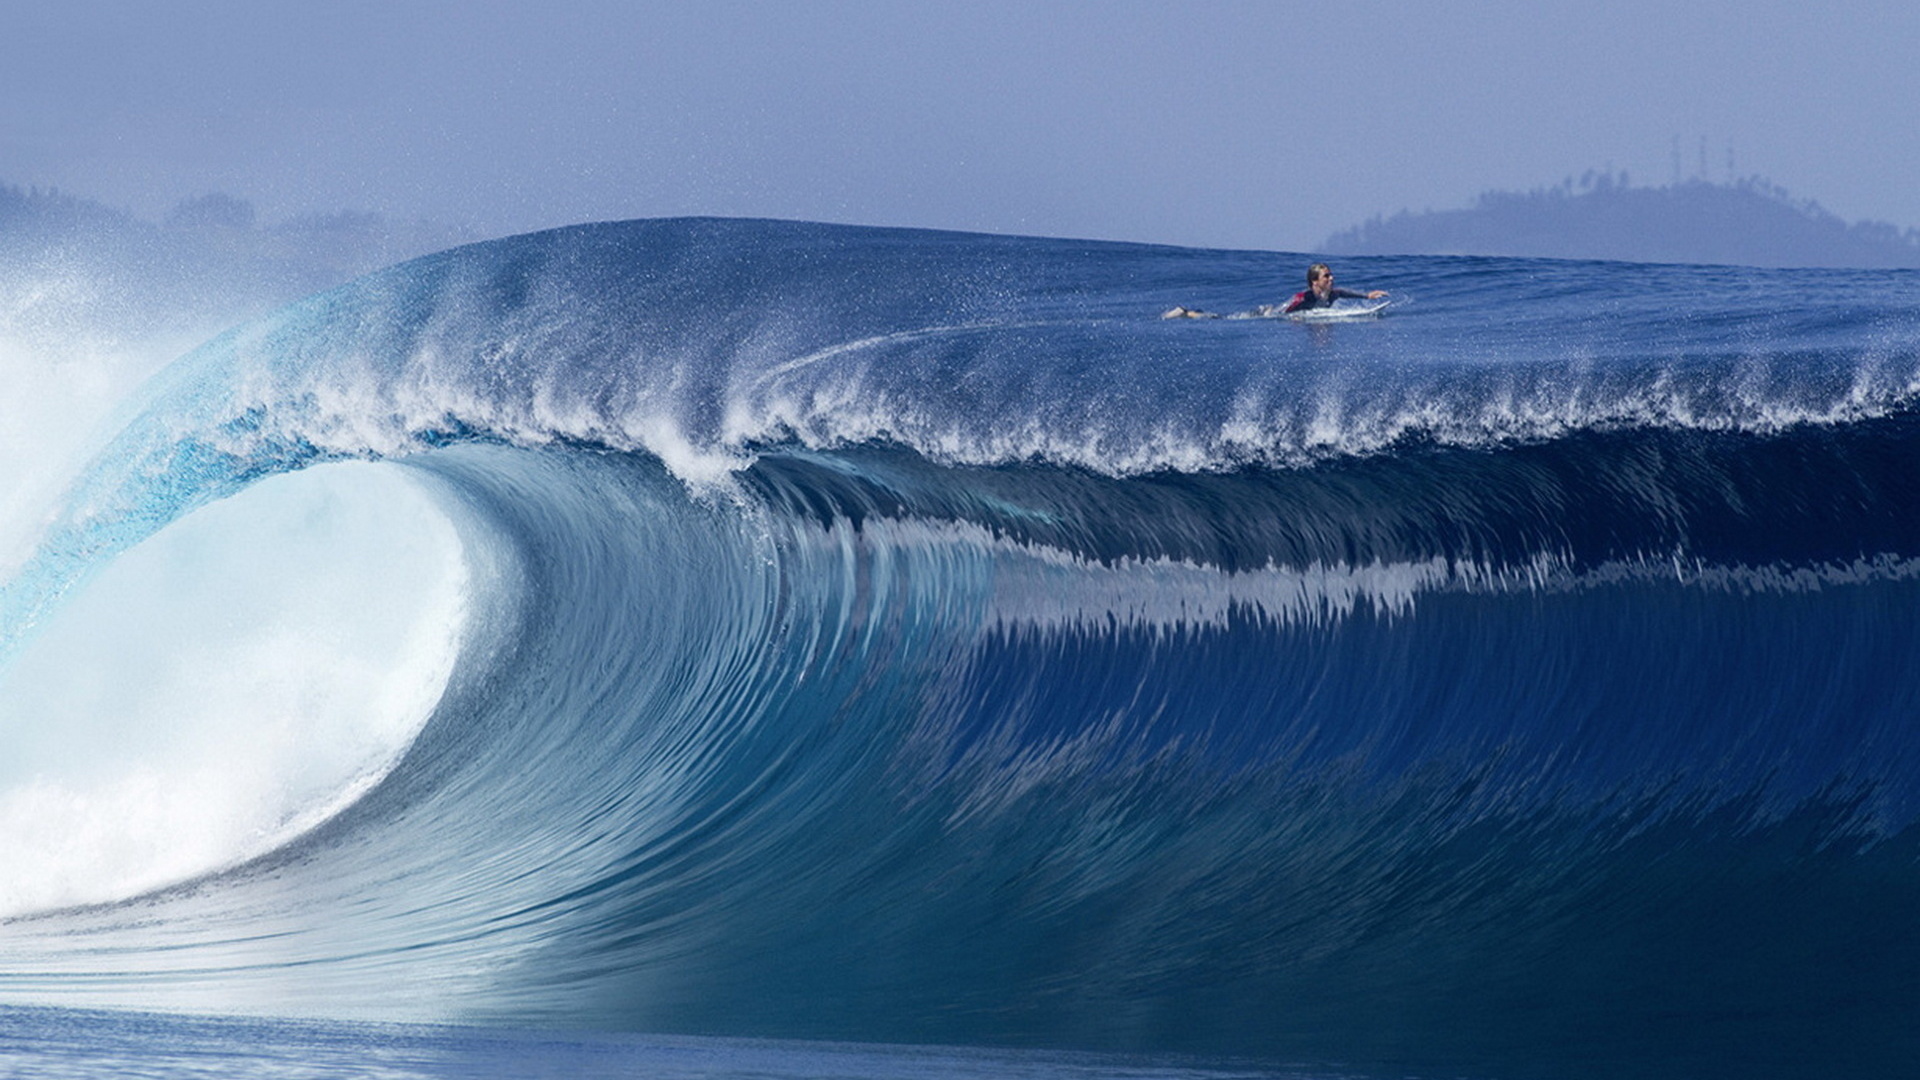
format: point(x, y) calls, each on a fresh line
point(211, 251)
point(1748, 223)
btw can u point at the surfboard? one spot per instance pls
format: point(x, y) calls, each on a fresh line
point(1340, 311)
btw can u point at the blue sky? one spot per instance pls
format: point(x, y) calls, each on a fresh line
point(1263, 125)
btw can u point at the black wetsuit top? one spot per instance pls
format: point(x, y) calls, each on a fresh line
point(1308, 300)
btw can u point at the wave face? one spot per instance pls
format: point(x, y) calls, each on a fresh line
point(795, 630)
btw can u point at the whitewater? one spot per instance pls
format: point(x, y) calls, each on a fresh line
point(756, 630)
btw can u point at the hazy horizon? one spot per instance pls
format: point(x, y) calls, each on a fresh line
point(1232, 125)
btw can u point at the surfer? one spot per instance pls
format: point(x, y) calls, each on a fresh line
point(1321, 293)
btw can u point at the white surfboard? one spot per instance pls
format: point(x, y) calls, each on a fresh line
point(1341, 311)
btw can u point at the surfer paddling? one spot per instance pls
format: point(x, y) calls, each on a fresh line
point(1321, 293)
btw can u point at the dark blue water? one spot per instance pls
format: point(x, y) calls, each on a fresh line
point(908, 638)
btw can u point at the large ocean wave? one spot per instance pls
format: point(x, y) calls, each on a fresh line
point(783, 629)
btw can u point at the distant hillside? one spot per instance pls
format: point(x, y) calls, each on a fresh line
point(210, 254)
point(1749, 223)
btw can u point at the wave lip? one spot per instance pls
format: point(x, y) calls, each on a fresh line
point(698, 341)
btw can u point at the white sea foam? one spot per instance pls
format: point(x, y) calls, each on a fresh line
point(1037, 587)
point(215, 690)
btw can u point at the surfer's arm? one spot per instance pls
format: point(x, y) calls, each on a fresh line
point(1299, 301)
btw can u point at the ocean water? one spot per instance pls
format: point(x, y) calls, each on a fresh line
point(728, 648)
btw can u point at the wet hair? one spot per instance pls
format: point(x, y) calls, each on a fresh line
point(1318, 271)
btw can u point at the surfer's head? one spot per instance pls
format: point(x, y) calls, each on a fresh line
point(1317, 273)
